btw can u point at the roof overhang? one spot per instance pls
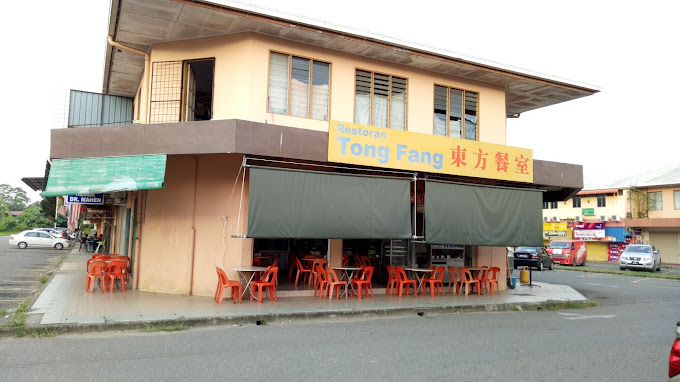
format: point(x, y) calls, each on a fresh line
point(142, 23)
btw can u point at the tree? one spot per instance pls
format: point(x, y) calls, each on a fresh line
point(15, 198)
point(31, 218)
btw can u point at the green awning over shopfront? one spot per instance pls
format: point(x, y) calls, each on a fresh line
point(76, 176)
point(474, 215)
point(295, 204)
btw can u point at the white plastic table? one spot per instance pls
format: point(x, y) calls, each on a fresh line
point(416, 271)
point(246, 274)
point(347, 274)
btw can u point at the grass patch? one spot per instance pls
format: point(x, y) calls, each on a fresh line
point(4, 312)
point(166, 328)
point(8, 233)
point(43, 279)
point(654, 275)
point(19, 317)
point(37, 333)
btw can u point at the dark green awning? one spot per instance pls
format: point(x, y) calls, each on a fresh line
point(75, 176)
point(295, 204)
point(474, 215)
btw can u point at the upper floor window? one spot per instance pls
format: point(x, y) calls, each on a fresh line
point(553, 205)
point(576, 202)
point(181, 91)
point(299, 87)
point(455, 113)
point(380, 100)
point(602, 201)
point(676, 199)
point(549, 205)
point(655, 201)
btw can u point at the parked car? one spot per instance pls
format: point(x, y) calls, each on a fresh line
point(640, 256)
point(35, 238)
point(534, 257)
point(58, 232)
point(568, 252)
point(674, 359)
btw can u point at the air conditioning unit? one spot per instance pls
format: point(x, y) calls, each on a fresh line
point(556, 218)
point(578, 218)
point(546, 219)
point(604, 218)
point(616, 218)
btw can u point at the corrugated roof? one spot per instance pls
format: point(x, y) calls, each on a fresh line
point(665, 175)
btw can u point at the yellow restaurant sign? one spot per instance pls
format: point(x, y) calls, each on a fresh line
point(381, 147)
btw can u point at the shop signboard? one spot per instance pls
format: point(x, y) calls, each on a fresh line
point(614, 250)
point(587, 211)
point(589, 231)
point(97, 199)
point(556, 230)
point(381, 147)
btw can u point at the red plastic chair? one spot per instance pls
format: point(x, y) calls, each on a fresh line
point(268, 283)
point(365, 280)
point(334, 284)
point(321, 281)
point(454, 279)
point(305, 272)
point(403, 281)
point(223, 282)
point(345, 260)
point(391, 281)
point(435, 281)
point(96, 270)
point(101, 257)
point(490, 280)
point(468, 281)
point(313, 277)
point(117, 270)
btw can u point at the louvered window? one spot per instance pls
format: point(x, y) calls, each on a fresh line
point(289, 90)
point(380, 100)
point(455, 113)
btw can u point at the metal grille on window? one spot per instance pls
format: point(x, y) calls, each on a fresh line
point(166, 92)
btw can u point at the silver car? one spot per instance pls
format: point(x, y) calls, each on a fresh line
point(640, 256)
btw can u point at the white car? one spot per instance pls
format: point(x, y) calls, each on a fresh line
point(640, 256)
point(34, 238)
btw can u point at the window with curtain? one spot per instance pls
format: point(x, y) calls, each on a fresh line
point(576, 202)
point(602, 201)
point(299, 87)
point(655, 203)
point(455, 113)
point(380, 100)
point(676, 199)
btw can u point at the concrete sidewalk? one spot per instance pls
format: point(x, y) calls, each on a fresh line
point(64, 303)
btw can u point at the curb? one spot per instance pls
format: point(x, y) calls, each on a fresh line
point(620, 273)
point(263, 319)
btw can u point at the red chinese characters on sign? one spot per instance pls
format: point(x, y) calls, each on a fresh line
point(502, 162)
point(458, 156)
point(522, 165)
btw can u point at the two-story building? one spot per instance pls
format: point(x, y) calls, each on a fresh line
point(611, 213)
point(256, 131)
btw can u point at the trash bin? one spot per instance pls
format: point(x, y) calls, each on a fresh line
point(512, 282)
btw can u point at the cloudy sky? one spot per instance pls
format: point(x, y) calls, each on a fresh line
point(627, 48)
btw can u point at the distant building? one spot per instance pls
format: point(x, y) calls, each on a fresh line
point(609, 214)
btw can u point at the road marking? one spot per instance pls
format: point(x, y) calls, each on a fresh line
point(638, 280)
point(574, 316)
point(611, 286)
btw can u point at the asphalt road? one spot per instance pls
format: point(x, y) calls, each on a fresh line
point(626, 338)
point(20, 270)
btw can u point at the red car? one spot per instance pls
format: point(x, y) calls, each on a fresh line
point(674, 361)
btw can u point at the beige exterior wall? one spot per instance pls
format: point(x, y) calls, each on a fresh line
point(667, 203)
point(242, 67)
point(494, 257)
point(615, 205)
point(188, 226)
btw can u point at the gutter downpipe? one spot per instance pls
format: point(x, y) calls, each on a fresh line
point(144, 102)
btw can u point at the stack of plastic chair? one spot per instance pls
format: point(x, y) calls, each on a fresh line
point(267, 282)
point(96, 270)
point(334, 284)
point(403, 281)
point(321, 280)
point(117, 270)
point(435, 281)
point(314, 276)
point(365, 280)
point(454, 279)
point(223, 282)
point(490, 280)
point(468, 281)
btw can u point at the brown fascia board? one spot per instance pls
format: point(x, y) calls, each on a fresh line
point(560, 180)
